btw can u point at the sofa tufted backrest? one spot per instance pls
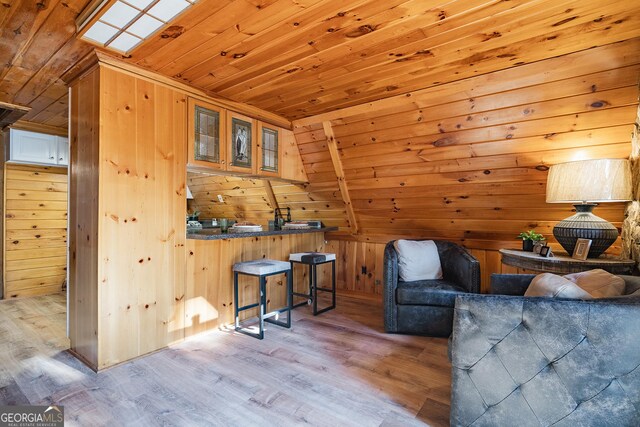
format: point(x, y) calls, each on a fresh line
point(541, 361)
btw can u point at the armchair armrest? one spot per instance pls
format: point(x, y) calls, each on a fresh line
point(390, 278)
point(632, 284)
point(459, 266)
point(510, 284)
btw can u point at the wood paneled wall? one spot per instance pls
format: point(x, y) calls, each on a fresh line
point(128, 249)
point(35, 257)
point(84, 178)
point(467, 161)
point(245, 199)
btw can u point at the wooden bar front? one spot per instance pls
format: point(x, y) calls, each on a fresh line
point(209, 286)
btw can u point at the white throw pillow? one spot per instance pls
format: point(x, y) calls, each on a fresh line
point(418, 260)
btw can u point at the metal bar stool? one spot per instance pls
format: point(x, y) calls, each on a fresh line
point(313, 260)
point(262, 269)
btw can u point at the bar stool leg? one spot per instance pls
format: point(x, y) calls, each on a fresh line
point(314, 275)
point(263, 304)
point(289, 296)
point(311, 284)
point(235, 301)
point(325, 289)
point(333, 284)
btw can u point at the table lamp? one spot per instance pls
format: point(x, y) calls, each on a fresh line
point(586, 183)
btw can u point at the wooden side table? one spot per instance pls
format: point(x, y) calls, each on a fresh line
point(564, 264)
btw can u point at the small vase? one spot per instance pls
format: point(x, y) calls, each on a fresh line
point(527, 245)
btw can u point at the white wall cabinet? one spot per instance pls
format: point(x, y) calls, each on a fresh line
point(38, 148)
point(63, 151)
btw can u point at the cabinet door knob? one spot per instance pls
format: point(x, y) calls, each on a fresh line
point(51, 157)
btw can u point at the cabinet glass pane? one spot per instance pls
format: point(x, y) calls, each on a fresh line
point(207, 135)
point(241, 143)
point(269, 150)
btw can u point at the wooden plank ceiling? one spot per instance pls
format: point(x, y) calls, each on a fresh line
point(305, 57)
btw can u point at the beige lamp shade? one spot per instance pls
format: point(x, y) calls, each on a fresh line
point(595, 181)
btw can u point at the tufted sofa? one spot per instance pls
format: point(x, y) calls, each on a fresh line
point(543, 361)
point(425, 307)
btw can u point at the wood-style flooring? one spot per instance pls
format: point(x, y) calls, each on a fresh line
point(336, 369)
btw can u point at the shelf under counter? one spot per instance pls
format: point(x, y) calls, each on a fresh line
point(209, 234)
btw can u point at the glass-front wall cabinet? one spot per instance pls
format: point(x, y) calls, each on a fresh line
point(269, 151)
point(206, 130)
point(242, 143)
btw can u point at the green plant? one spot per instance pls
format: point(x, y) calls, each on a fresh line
point(530, 235)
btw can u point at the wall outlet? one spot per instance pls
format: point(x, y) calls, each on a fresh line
point(220, 199)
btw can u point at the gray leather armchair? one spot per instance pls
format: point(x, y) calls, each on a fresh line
point(542, 361)
point(425, 307)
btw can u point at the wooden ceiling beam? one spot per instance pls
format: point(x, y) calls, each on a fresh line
point(342, 182)
point(10, 113)
point(271, 197)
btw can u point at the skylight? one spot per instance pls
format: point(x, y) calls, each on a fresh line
point(121, 25)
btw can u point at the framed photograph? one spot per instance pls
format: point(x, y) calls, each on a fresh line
point(582, 249)
point(241, 143)
point(538, 246)
point(545, 251)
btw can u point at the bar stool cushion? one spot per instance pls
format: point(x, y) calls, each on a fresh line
point(262, 267)
point(312, 257)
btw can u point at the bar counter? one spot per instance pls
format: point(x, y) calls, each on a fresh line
point(214, 234)
point(209, 282)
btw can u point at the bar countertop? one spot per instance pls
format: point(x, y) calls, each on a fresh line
point(214, 234)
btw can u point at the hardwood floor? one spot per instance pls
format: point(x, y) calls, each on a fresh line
point(336, 369)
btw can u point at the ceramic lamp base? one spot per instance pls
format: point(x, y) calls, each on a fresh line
point(585, 225)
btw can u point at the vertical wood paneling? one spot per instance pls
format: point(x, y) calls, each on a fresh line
point(35, 257)
point(142, 194)
point(128, 190)
point(84, 163)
